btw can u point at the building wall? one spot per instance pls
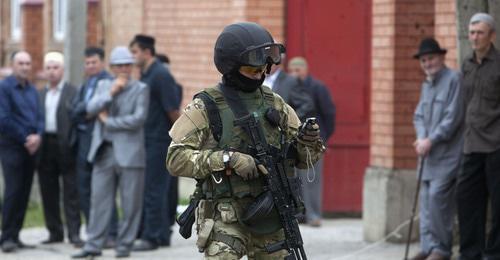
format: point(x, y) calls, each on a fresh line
point(122, 20)
point(398, 27)
point(186, 30)
point(445, 30)
point(37, 33)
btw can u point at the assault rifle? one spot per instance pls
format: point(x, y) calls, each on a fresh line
point(284, 190)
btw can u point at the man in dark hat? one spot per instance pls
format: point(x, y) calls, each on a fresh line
point(163, 111)
point(438, 122)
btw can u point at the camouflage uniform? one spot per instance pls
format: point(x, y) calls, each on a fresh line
point(196, 154)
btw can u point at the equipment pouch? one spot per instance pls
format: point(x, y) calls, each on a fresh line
point(203, 211)
point(227, 212)
point(259, 209)
point(204, 233)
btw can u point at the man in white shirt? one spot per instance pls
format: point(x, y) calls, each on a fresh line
point(57, 159)
point(292, 92)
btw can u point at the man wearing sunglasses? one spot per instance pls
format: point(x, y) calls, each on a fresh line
point(211, 142)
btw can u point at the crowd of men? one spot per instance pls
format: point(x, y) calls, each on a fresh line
point(106, 137)
point(110, 136)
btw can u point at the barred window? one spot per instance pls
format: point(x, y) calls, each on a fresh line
point(15, 22)
point(59, 11)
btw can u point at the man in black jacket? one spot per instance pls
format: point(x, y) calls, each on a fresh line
point(324, 111)
point(84, 125)
point(291, 91)
point(56, 157)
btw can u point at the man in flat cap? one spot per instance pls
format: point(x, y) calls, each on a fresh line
point(479, 180)
point(438, 122)
point(163, 111)
point(117, 151)
point(57, 160)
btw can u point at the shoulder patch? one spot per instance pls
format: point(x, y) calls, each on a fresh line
point(193, 118)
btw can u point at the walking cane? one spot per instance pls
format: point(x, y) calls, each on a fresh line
point(420, 169)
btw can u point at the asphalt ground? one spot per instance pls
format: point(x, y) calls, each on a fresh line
point(337, 239)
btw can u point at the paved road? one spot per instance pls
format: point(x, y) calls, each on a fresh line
point(339, 239)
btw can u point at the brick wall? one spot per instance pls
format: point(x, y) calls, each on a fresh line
point(94, 24)
point(122, 20)
point(32, 39)
point(398, 27)
point(186, 31)
point(445, 29)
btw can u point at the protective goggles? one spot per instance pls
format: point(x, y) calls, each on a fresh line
point(253, 70)
point(259, 56)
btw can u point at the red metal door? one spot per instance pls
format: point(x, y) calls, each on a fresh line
point(335, 37)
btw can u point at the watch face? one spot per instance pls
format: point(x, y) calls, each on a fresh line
point(225, 157)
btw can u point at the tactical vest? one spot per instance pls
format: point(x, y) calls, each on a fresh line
point(231, 137)
point(219, 186)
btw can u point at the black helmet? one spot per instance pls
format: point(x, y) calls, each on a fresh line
point(245, 43)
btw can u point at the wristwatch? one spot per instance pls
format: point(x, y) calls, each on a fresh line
point(226, 158)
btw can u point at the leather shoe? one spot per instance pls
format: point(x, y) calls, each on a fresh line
point(85, 254)
point(22, 245)
point(9, 246)
point(144, 245)
point(122, 252)
point(76, 242)
point(436, 256)
point(420, 256)
point(52, 240)
point(110, 243)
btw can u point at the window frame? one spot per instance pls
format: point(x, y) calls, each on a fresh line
point(15, 21)
point(59, 14)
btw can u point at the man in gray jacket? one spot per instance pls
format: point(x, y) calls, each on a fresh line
point(117, 151)
point(438, 124)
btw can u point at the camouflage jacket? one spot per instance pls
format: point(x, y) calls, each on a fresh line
point(194, 152)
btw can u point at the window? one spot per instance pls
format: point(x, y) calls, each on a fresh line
point(59, 19)
point(15, 23)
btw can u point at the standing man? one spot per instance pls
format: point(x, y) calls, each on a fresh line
point(163, 111)
point(439, 127)
point(291, 91)
point(173, 190)
point(324, 108)
point(94, 72)
point(117, 149)
point(480, 179)
point(21, 128)
point(57, 158)
point(222, 156)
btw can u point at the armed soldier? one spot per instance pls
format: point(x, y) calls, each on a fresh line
point(241, 142)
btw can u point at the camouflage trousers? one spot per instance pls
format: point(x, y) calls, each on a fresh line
point(253, 244)
point(230, 240)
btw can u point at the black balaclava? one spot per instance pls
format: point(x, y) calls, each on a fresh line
point(236, 80)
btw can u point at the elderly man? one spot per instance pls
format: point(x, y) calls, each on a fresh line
point(480, 179)
point(21, 128)
point(117, 151)
point(56, 156)
point(324, 111)
point(438, 124)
